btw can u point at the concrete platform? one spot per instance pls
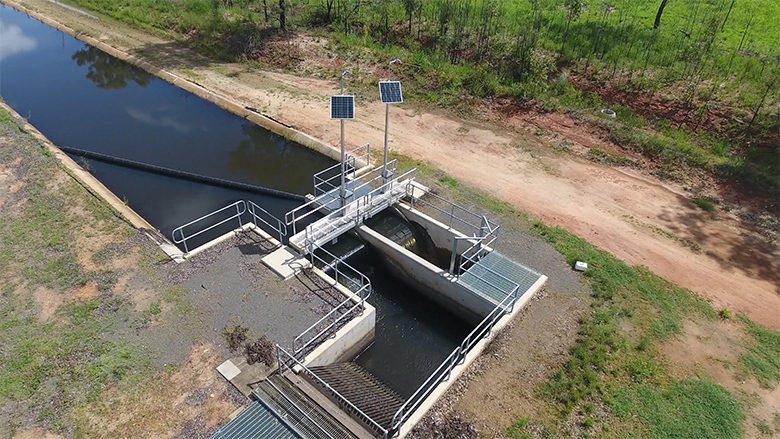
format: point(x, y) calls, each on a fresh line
point(247, 376)
point(285, 262)
point(228, 370)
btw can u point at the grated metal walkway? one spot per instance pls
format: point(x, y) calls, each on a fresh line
point(301, 412)
point(362, 389)
point(256, 421)
point(341, 220)
point(494, 275)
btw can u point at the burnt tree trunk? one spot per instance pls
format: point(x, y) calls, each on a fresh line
point(658, 15)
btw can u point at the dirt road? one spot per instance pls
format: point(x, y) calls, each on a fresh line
point(633, 215)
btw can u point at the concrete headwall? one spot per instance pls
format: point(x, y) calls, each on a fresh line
point(436, 283)
point(348, 341)
point(441, 234)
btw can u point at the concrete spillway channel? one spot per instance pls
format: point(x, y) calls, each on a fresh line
point(353, 376)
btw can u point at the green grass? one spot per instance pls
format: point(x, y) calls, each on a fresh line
point(516, 430)
point(704, 204)
point(626, 371)
point(763, 357)
point(449, 181)
point(49, 367)
point(601, 156)
point(685, 409)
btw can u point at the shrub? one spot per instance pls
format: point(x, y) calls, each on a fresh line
point(235, 336)
point(260, 351)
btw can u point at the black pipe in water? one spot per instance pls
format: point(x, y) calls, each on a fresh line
point(181, 174)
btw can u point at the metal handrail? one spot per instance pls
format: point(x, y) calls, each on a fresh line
point(291, 218)
point(478, 245)
point(362, 292)
point(280, 228)
point(334, 392)
point(240, 210)
point(493, 227)
point(300, 346)
point(358, 209)
point(366, 156)
point(352, 158)
point(443, 372)
point(329, 181)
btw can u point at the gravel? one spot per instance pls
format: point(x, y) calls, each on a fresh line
point(196, 428)
point(232, 395)
point(198, 397)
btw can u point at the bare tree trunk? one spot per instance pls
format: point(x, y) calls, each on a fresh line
point(658, 15)
point(727, 15)
point(761, 104)
point(282, 16)
point(265, 11)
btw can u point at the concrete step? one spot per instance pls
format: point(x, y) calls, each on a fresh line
point(303, 414)
point(256, 421)
point(362, 389)
point(494, 277)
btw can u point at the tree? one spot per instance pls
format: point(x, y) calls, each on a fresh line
point(658, 15)
point(573, 10)
point(282, 16)
point(410, 6)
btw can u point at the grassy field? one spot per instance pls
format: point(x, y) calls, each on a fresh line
point(56, 315)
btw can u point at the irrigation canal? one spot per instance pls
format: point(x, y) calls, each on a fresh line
point(81, 97)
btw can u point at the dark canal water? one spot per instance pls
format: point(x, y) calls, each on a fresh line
point(78, 96)
point(81, 97)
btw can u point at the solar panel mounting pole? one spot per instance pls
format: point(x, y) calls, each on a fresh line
point(343, 189)
point(385, 173)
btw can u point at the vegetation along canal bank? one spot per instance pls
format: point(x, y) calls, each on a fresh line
point(624, 375)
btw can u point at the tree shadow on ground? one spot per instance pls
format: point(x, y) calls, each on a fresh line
point(746, 250)
point(238, 41)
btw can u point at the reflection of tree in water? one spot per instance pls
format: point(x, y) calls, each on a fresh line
point(268, 161)
point(110, 73)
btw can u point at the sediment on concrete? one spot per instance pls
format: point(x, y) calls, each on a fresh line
point(198, 90)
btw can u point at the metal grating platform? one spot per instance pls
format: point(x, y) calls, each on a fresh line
point(362, 389)
point(494, 275)
point(308, 418)
point(256, 421)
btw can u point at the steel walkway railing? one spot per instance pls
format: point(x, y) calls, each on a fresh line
point(180, 235)
point(353, 214)
point(324, 202)
point(183, 237)
point(294, 365)
point(352, 306)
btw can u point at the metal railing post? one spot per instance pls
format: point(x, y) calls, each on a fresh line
point(454, 255)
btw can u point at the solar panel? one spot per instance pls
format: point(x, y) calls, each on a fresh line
point(342, 107)
point(390, 92)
